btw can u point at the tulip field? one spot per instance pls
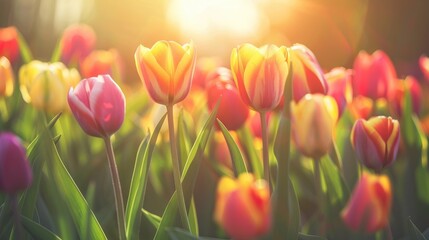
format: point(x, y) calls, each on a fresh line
point(268, 144)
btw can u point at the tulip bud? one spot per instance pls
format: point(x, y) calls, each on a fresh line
point(232, 111)
point(424, 66)
point(260, 74)
point(243, 207)
point(376, 141)
point(411, 85)
point(6, 78)
point(373, 75)
point(307, 74)
point(339, 82)
point(313, 120)
point(76, 43)
point(15, 170)
point(45, 85)
point(98, 105)
point(102, 62)
point(203, 67)
point(166, 69)
point(368, 208)
point(9, 43)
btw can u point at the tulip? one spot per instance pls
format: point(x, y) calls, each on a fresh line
point(361, 107)
point(424, 66)
point(260, 74)
point(167, 70)
point(376, 141)
point(373, 75)
point(203, 68)
point(102, 62)
point(45, 85)
point(339, 83)
point(9, 43)
point(15, 170)
point(77, 42)
point(98, 104)
point(232, 111)
point(313, 120)
point(412, 86)
point(6, 78)
point(243, 206)
point(307, 74)
point(368, 208)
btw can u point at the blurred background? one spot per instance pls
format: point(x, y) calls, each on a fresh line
point(335, 30)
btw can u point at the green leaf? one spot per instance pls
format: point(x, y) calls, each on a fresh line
point(237, 158)
point(24, 49)
point(180, 234)
point(249, 146)
point(302, 236)
point(422, 182)
point(414, 232)
point(37, 231)
point(336, 188)
point(193, 219)
point(139, 183)
point(188, 178)
point(56, 55)
point(153, 218)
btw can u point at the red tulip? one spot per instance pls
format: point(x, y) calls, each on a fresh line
point(307, 74)
point(232, 111)
point(76, 43)
point(373, 75)
point(376, 141)
point(98, 105)
point(15, 170)
point(102, 62)
point(369, 206)
point(9, 43)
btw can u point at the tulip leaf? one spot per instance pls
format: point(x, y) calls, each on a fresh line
point(37, 231)
point(183, 138)
point(56, 54)
point(24, 49)
point(188, 178)
point(422, 182)
point(139, 183)
point(236, 156)
point(414, 232)
point(180, 234)
point(249, 146)
point(193, 219)
point(153, 218)
point(336, 188)
point(302, 236)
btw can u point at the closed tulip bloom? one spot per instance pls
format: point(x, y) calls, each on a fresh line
point(376, 141)
point(307, 74)
point(340, 88)
point(15, 170)
point(243, 207)
point(368, 208)
point(167, 70)
point(260, 74)
point(102, 62)
point(9, 43)
point(45, 85)
point(424, 66)
point(314, 118)
point(6, 78)
point(77, 42)
point(411, 85)
point(98, 105)
point(232, 111)
point(373, 75)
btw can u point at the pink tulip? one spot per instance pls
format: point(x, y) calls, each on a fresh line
point(98, 104)
point(76, 43)
point(340, 88)
point(15, 170)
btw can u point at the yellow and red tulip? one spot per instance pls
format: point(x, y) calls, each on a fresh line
point(45, 85)
point(243, 206)
point(77, 42)
point(376, 141)
point(98, 105)
point(307, 74)
point(373, 75)
point(9, 43)
point(260, 74)
point(6, 78)
point(15, 170)
point(313, 120)
point(368, 208)
point(167, 70)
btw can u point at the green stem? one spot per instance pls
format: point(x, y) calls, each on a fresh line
point(265, 154)
point(119, 202)
point(4, 111)
point(319, 193)
point(176, 168)
point(16, 217)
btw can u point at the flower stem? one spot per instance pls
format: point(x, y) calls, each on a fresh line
point(16, 217)
point(319, 192)
point(265, 154)
point(176, 169)
point(119, 202)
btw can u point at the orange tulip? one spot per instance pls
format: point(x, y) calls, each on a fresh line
point(376, 141)
point(6, 78)
point(313, 119)
point(368, 208)
point(411, 85)
point(260, 74)
point(243, 206)
point(166, 69)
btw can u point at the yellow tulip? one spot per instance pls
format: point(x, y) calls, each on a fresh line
point(6, 78)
